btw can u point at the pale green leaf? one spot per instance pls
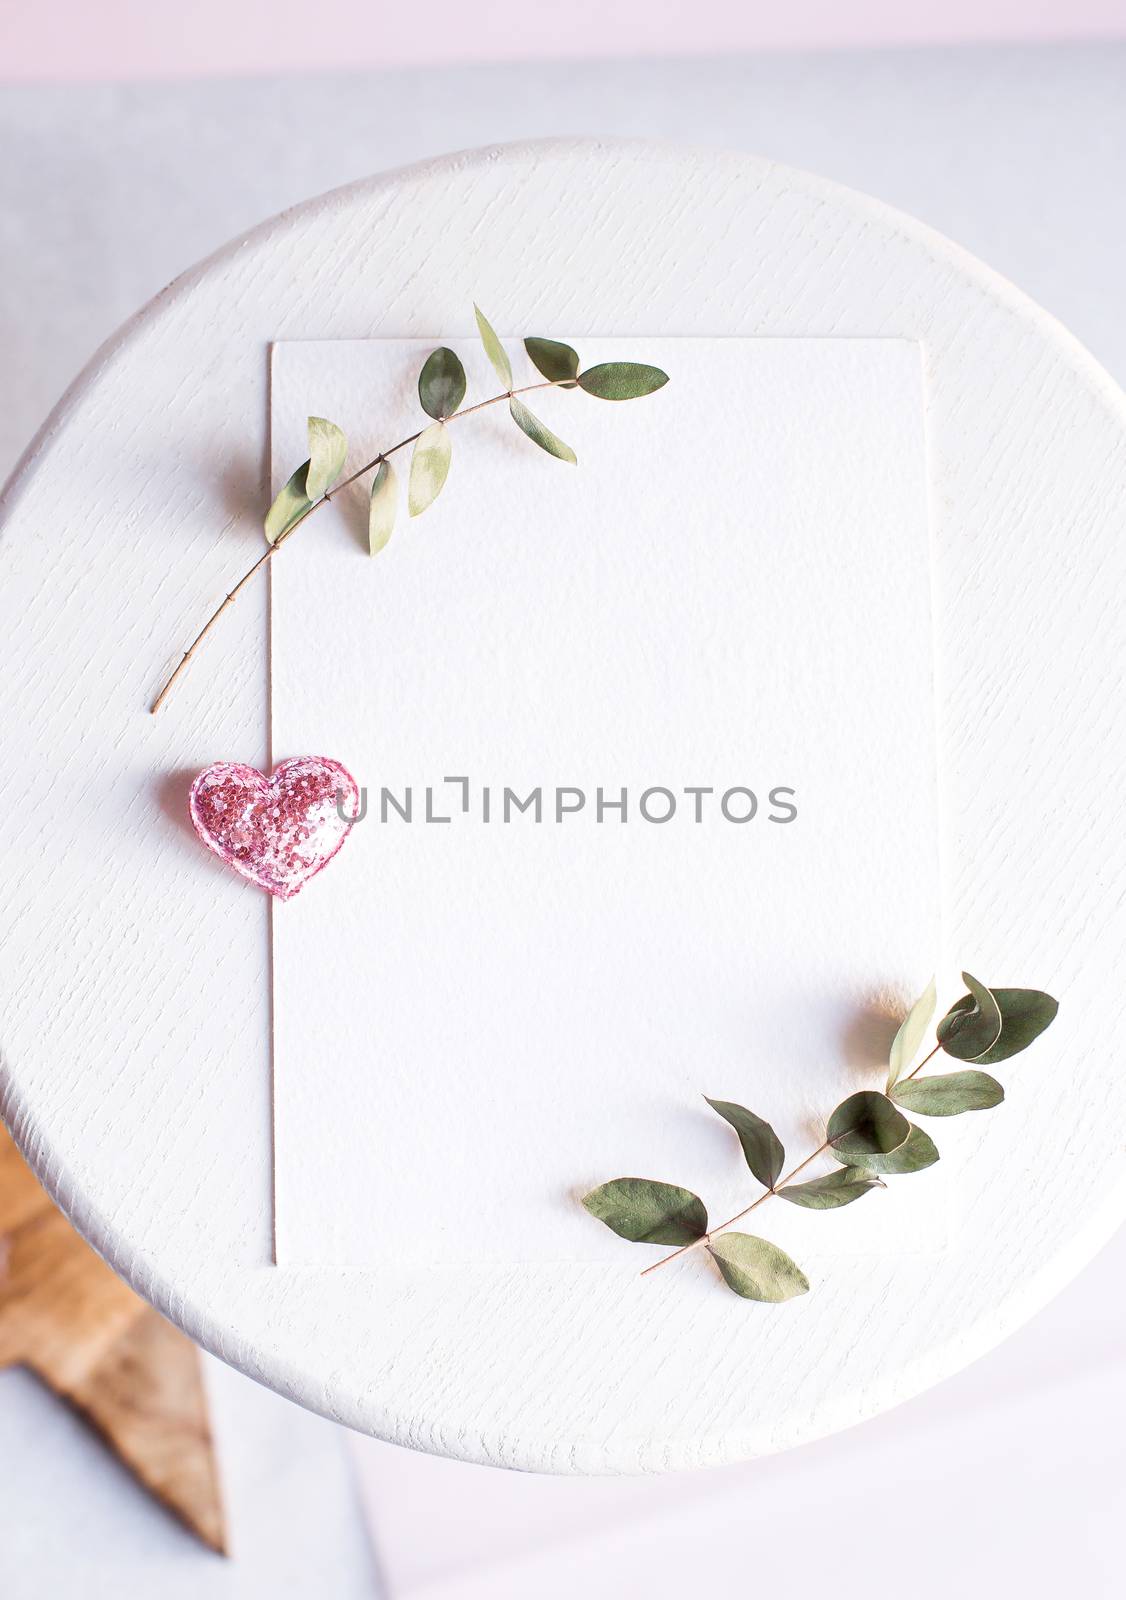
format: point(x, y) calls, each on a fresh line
point(494, 349)
point(949, 1094)
point(540, 435)
point(441, 383)
point(969, 1032)
point(557, 362)
point(866, 1124)
point(647, 1212)
point(761, 1145)
point(912, 1031)
point(916, 1152)
point(1025, 1013)
point(382, 507)
point(757, 1269)
point(291, 502)
point(327, 450)
point(430, 465)
point(622, 380)
point(839, 1188)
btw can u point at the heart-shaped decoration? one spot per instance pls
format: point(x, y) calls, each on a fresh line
point(278, 832)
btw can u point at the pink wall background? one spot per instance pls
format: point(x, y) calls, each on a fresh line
point(73, 40)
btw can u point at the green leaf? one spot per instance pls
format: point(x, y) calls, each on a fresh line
point(382, 508)
point(557, 362)
point(536, 431)
point(647, 1212)
point(1025, 1013)
point(430, 465)
point(757, 1269)
point(912, 1030)
point(949, 1094)
point(441, 383)
point(917, 1152)
point(291, 502)
point(968, 1032)
point(622, 380)
point(839, 1188)
point(327, 449)
point(761, 1145)
point(494, 349)
point(867, 1124)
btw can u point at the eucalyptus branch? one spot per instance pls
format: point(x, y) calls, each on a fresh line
point(316, 505)
point(706, 1238)
point(441, 390)
point(721, 1227)
point(868, 1135)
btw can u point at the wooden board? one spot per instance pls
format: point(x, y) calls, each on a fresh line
point(129, 1372)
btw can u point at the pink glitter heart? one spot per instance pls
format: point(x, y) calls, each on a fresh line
point(278, 832)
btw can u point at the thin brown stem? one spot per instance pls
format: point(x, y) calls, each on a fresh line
point(705, 1238)
point(929, 1056)
point(466, 411)
point(739, 1215)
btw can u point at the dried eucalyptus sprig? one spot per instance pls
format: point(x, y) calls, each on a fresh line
point(867, 1134)
point(441, 389)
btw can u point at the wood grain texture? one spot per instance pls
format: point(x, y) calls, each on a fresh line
point(66, 1316)
point(135, 1040)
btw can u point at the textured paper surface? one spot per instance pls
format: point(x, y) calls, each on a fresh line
point(476, 1021)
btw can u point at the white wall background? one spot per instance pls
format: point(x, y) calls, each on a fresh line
point(66, 40)
point(1010, 1474)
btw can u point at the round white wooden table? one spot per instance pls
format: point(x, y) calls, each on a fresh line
point(135, 1042)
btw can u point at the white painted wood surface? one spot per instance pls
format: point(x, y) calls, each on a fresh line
point(135, 1031)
